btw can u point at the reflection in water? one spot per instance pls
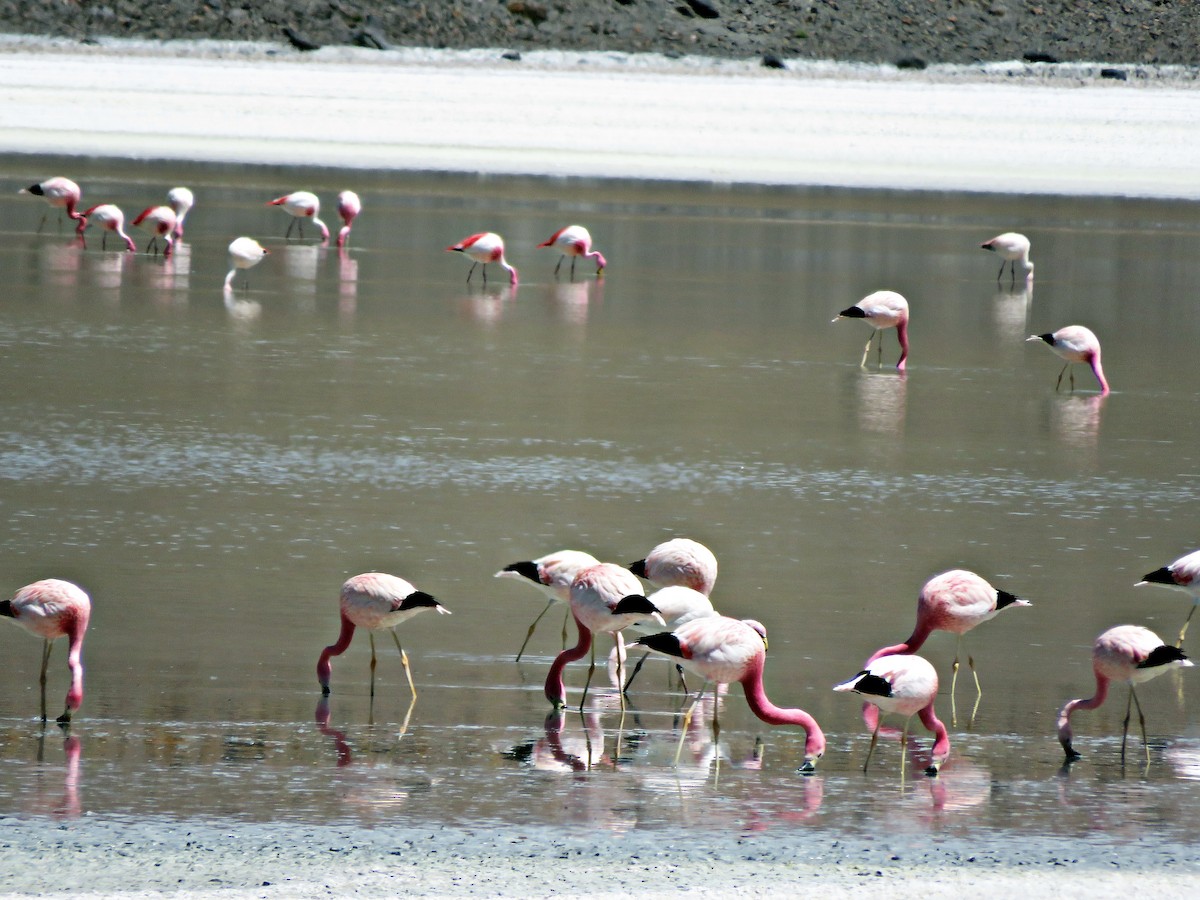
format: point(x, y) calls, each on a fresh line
point(347, 282)
point(240, 310)
point(67, 804)
point(1075, 420)
point(321, 717)
point(106, 271)
point(60, 262)
point(486, 305)
point(171, 273)
point(571, 301)
point(881, 402)
point(1010, 312)
point(300, 265)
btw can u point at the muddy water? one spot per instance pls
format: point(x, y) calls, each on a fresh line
point(210, 467)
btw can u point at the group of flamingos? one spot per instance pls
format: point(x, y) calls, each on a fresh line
point(678, 619)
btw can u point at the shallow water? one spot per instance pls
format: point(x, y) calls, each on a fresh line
point(211, 468)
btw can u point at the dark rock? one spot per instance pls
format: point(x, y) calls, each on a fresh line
point(370, 37)
point(704, 9)
point(1117, 74)
point(513, 55)
point(771, 61)
point(299, 41)
point(911, 62)
point(1036, 56)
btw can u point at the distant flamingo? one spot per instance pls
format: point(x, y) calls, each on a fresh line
point(553, 573)
point(109, 218)
point(1075, 343)
point(57, 192)
point(160, 221)
point(373, 601)
point(907, 685)
point(679, 561)
point(574, 241)
point(181, 200)
point(882, 309)
point(301, 205)
point(485, 247)
point(605, 598)
point(244, 253)
point(724, 650)
point(1184, 575)
point(50, 609)
point(349, 206)
point(1126, 653)
point(1013, 248)
point(954, 601)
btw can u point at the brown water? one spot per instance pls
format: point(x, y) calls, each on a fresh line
point(211, 469)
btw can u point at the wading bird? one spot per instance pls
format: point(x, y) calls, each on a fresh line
point(160, 222)
point(62, 193)
point(349, 206)
point(574, 241)
point(244, 253)
point(1075, 344)
point(301, 205)
point(880, 310)
point(1013, 248)
point(108, 218)
point(553, 573)
point(1183, 575)
point(485, 247)
point(181, 200)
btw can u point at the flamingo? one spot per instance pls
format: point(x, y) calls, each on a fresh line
point(160, 221)
point(1183, 575)
point(574, 241)
point(1013, 248)
point(723, 650)
point(680, 561)
point(908, 685)
point(349, 206)
point(57, 192)
point(1075, 343)
point(301, 205)
point(554, 573)
point(244, 253)
point(1128, 653)
point(180, 199)
point(604, 598)
point(882, 309)
point(50, 609)
point(485, 247)
point(110, 218)
point(372, 601)
point(954, 601)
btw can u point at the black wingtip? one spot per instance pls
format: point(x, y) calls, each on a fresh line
point(526, 569)
point(634, 603)
point(853, 312)
point(1004, 598)
point(1162, 656)
point(664, 642)
point(873, 685)
point(638, 568)
point(6, 609)
point(418, 599)
point(1161, 576)
point(1048, 338)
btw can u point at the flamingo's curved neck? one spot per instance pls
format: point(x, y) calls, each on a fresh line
point(761, 706)
point(75, 631)
point(1099, 372)
point(912, 645)
point(323, 665)
point(902, 334)
point(555, 692)
point(1064, 717)
point(941, 744)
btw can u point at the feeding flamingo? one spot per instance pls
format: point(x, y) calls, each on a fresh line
point(954, 601)
point(160, 221)
point(1184, 575)
point(554, 573)
point(181, 200)
point(485, 247)
point(57, 192)
point(301, 205)
point(109, 218)
point(724, 650)
point(373, 601)
point(574, 241)
point(880, 310)
point(349, 206)
point(907, 685)
point(1013, 248)
point(1126, 653)
point(244, 253)
point(1075, 343)
point(50, 609)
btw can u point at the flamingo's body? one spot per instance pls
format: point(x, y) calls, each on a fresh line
point(574, 241)
point(301, 205)
point(724, 650)
point(1183, 575)
point(349, 206)
point(160, 221)
point(485, 247)
point(1130, 654)
point(1075, 344)
point(553, 573)
point(680, 561)
point(907, 685)
point(244, 253)
point(109, 218)
point(375, 601)
point(180, 199)
point(51, 609)
point(61, 193)
point(880, 310)
point(1013, 248)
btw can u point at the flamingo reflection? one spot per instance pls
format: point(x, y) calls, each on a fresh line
point(1075, 419)
point(881, 403)
point(1010, 312)
point(347, 282)
point(67, 805)
point(488, 305)
point(571, 300)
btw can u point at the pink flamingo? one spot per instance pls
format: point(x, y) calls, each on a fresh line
point(1128, 653)
point(954, 601)
point(724, 650)
point(109, 218)
point(160, 222)
point(485, 247)
point(574, 241)
point(349, 206)
point(554, 573)
point(907, 685)
point(604, 598)
point(1013, 248)
point(244, 253)
point(882, 309)
point(373, 601)
point(181, 200)
point(1183, 575)
point(50, 609)
point(1075, 343)
point(57, 192)
point(680, 561)
point(301, 205)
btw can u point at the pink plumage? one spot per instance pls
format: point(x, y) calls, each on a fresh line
point(1075, 344)
point(160, 221)
point(301, 205)
point(1012, 248)
point(51, 609)
point(1183, 575)
point(107, 217)
point(485, 247)
point(881, 310)
point(349, 206)
point(574, 241)
point(680, 561)
point(59, 193)
point(553, 573)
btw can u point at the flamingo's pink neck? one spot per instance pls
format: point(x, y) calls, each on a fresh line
point(1099, 372)
point(1064, 717)
point(912, 645)
point(75, 630)
point(902, 334)
point(761, 706)
point(512, 272)
point(941, 744)
point(324, 669)
point(555, 692)
point(343, 234)
point(597, 257)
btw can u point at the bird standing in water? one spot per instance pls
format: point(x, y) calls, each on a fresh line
point(109, 218)
point(1183, 575)
point(349, 206)
point(60, 193)
point(301, 205)
point(160, 222)
point(1075, 344)
point(244, 253)
point(880, 310)
point(181, 200)
point(574, 241)
point(1012, 248)
point(553, 573)
point(485, 247)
